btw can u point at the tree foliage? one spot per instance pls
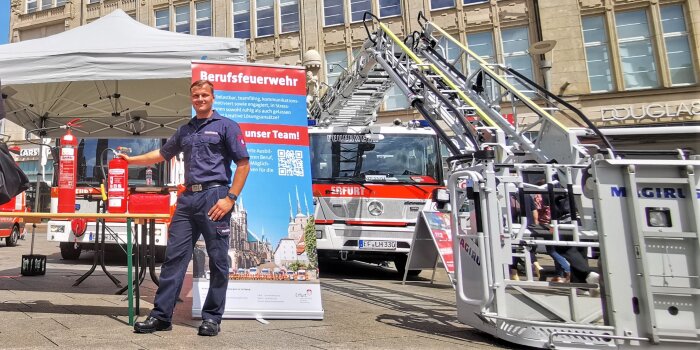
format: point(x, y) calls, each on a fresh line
point(310, 242)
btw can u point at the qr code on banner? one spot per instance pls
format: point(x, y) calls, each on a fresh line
point(290, 163)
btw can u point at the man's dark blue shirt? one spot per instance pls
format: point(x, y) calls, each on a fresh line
point(209, 148)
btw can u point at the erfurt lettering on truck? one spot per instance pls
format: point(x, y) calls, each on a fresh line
point(653, 192)
point(471, 251)
point(347, 191)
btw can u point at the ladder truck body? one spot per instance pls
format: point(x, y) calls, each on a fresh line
point(641, 211)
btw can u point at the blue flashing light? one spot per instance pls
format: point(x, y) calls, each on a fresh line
point(422, 123)
point(311, 122)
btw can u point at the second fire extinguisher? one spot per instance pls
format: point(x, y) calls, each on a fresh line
point(118, 182)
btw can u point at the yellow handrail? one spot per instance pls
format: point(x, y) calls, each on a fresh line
point(437, 71)
point(513, 90)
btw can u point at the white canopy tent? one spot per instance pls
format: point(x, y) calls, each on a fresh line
point(122, 78)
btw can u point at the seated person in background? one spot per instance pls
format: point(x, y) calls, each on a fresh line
point(542, 217)
point(530, 217)
point(581, 272)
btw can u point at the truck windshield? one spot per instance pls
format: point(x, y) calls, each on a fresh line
point(90, 150)
point(381, 158)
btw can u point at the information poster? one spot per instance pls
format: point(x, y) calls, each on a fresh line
point(440, 229)
point(273, 263)
point(432, 240)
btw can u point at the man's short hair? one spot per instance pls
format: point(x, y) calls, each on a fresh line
point(201, 84)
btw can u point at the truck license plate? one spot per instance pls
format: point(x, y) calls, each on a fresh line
point(384, 245)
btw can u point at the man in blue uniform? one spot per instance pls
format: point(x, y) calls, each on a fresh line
point(210, 143)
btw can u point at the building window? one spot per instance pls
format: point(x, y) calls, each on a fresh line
point(265, 18)
point(32, 169)
point(31, 6)
point(182, 19)
point(678, 55)
point(333, 12)
point(241, 19)
point(515, 44)
point(163, 19)
point(389, 8)
point(441, 4)
point(480, 44)
point(595, 39)
point(334, 61)
point(636, 53)
point(395, 99)
point(358, 9)
point(36, 5)
point(470, 2)
point(203, 20)
point(450, 51)
point(289, 16)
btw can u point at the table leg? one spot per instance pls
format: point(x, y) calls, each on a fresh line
point(130, 286)
point(152, 249)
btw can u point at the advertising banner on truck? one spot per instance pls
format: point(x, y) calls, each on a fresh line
point(273, 266)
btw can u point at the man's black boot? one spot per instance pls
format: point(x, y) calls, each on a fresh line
point(152, 324)
point(209, 328)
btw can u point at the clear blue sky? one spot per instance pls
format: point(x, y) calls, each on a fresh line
point(4, 21)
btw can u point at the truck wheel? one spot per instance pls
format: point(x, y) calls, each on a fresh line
point(400, 264)
point(69, 251)
point(11, 240)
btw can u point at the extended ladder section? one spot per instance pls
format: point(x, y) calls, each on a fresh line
point(464, 109)
point(384, 61)
point(549, 126)
point(357, 94)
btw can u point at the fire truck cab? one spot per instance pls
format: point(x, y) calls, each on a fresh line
point(90, 174)
point(12, 229)
point(370, 183)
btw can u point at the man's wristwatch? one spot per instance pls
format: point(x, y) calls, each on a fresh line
point(232, 196)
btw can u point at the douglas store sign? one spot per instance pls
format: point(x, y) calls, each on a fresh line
point(652, 111)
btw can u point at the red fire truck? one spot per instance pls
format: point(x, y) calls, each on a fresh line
point(12, 229)
point(370, 183)
point(90, 174)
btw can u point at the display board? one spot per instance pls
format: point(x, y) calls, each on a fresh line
point(273, 263)
point(432, 240)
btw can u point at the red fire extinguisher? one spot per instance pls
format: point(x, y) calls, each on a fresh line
point(118, 182)
point(67, 167)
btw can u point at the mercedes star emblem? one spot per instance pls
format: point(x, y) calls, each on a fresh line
point(375, 208)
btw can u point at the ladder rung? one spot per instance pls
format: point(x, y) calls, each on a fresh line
point(647, 180)
point(670, 235)
point(674, 290)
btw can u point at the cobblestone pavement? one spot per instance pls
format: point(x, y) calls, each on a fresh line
point(366, 307)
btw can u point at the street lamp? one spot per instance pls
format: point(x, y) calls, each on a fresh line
point(541, 48)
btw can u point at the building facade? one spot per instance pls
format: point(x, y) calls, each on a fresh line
point(627, 64)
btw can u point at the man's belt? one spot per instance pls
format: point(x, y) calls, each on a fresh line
point(204, 186)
